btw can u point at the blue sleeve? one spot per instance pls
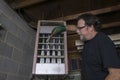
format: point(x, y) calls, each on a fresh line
point(109, 54)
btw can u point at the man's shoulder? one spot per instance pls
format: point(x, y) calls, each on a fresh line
point(102, 36)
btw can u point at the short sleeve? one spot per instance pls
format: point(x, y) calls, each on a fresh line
point(109, 54)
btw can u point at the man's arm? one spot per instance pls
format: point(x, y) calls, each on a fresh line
point(114, 74)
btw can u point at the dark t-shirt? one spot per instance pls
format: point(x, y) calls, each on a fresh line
point(98, 55)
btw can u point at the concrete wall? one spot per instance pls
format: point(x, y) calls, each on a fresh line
point(16, 46)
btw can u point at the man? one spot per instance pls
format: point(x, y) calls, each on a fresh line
point(100, 61)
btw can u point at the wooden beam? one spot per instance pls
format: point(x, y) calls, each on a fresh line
point(113, 24)
point(26, 3)
point(96, 12)
point(115, 37)
point(71, 27)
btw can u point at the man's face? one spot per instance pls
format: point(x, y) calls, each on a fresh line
point(82, 30)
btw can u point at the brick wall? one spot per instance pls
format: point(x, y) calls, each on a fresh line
point(16, 46)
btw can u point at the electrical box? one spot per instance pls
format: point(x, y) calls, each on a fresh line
point(50, 58)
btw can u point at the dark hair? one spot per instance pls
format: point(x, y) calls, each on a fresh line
point(90, 19)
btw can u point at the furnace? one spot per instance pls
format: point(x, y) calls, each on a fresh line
point(50, 58)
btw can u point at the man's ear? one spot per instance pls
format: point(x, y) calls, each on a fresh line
point(91, 28)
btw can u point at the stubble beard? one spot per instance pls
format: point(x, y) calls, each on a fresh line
point(83, 38)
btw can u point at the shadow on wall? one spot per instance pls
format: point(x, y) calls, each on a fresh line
point(1, 28)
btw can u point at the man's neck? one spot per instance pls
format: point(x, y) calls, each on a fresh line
point(93, 35)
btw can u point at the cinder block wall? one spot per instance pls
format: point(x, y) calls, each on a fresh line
point(16, 46)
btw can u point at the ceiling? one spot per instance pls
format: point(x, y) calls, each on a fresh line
point(33, 10)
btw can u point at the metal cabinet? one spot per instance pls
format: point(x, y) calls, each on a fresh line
point(50, 58)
